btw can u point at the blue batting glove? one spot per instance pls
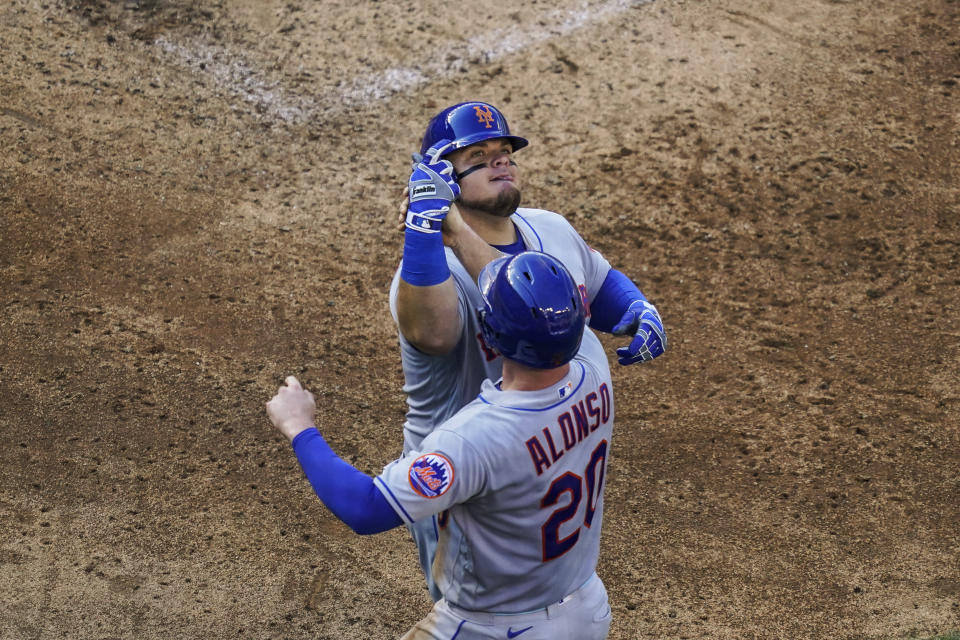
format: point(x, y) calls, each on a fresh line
point(432, 187)
point(642, 321)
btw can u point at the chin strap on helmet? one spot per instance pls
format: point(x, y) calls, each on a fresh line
point(460, 176)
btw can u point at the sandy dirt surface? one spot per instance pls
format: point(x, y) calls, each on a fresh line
point(197, 199)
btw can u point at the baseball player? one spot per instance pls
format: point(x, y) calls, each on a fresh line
point(463, 211)
point(515, 478)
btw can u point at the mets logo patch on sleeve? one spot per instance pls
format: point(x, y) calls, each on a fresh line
point(431, 475)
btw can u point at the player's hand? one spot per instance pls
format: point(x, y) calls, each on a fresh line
point(431, 189)
point(453, 222)
point(402, 211)
point(454, 226)
point(643, 322)
point(292, 410)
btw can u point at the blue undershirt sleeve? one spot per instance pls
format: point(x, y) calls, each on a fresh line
point(348, 492)
point(612, 300)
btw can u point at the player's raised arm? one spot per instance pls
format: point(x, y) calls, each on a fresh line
point(473, 251)
point(621, 309)
point(427, 308)
point(348, 492)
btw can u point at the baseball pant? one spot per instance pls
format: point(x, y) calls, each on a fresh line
point(583, 615)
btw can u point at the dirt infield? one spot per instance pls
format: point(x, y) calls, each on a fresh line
point(197, 199)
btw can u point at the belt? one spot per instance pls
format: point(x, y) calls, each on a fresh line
point(543, 613)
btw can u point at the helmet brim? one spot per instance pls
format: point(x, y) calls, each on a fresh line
point(515, 141)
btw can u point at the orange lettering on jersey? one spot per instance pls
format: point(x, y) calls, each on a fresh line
point(538, 455)
point(605, 403)
point(593, 410)
point(580, 416)
point(484, 116)
point(575, 426)
point(553, 448)
point(567, 431)
point(429, 477)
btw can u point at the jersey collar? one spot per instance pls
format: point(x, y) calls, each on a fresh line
point(540, 400)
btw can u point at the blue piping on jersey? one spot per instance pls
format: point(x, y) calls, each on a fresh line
point(460, 626)
point(532, 230)
point(583, 377)
point(383, 486)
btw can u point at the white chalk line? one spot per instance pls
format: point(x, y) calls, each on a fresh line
point(234, 75)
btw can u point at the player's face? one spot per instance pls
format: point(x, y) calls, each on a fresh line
point(492, 186)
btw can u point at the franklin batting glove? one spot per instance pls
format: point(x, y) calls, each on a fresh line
point(643, 322)
point(432, 187)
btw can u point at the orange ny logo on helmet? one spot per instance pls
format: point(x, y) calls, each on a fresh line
point(484, 115)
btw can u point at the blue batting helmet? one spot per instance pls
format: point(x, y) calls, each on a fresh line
point(467, 123)
point(532, 312)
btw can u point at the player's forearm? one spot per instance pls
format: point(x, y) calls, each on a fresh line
point(619, 297)
point(473, 251)
point(429, 317)
point(612, 300)
point(427, 305)
point(348, 492)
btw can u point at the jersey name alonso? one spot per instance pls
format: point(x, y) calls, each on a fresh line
point(439, 386)
point(517, 478)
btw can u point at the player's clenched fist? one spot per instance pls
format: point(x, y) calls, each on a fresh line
point(292, 410)
point(431, 189)
point(642, 321)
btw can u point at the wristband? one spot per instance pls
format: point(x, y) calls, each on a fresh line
point(424, 259)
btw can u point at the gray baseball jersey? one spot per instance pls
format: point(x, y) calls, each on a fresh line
point(517, 479)
point(438, 386)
